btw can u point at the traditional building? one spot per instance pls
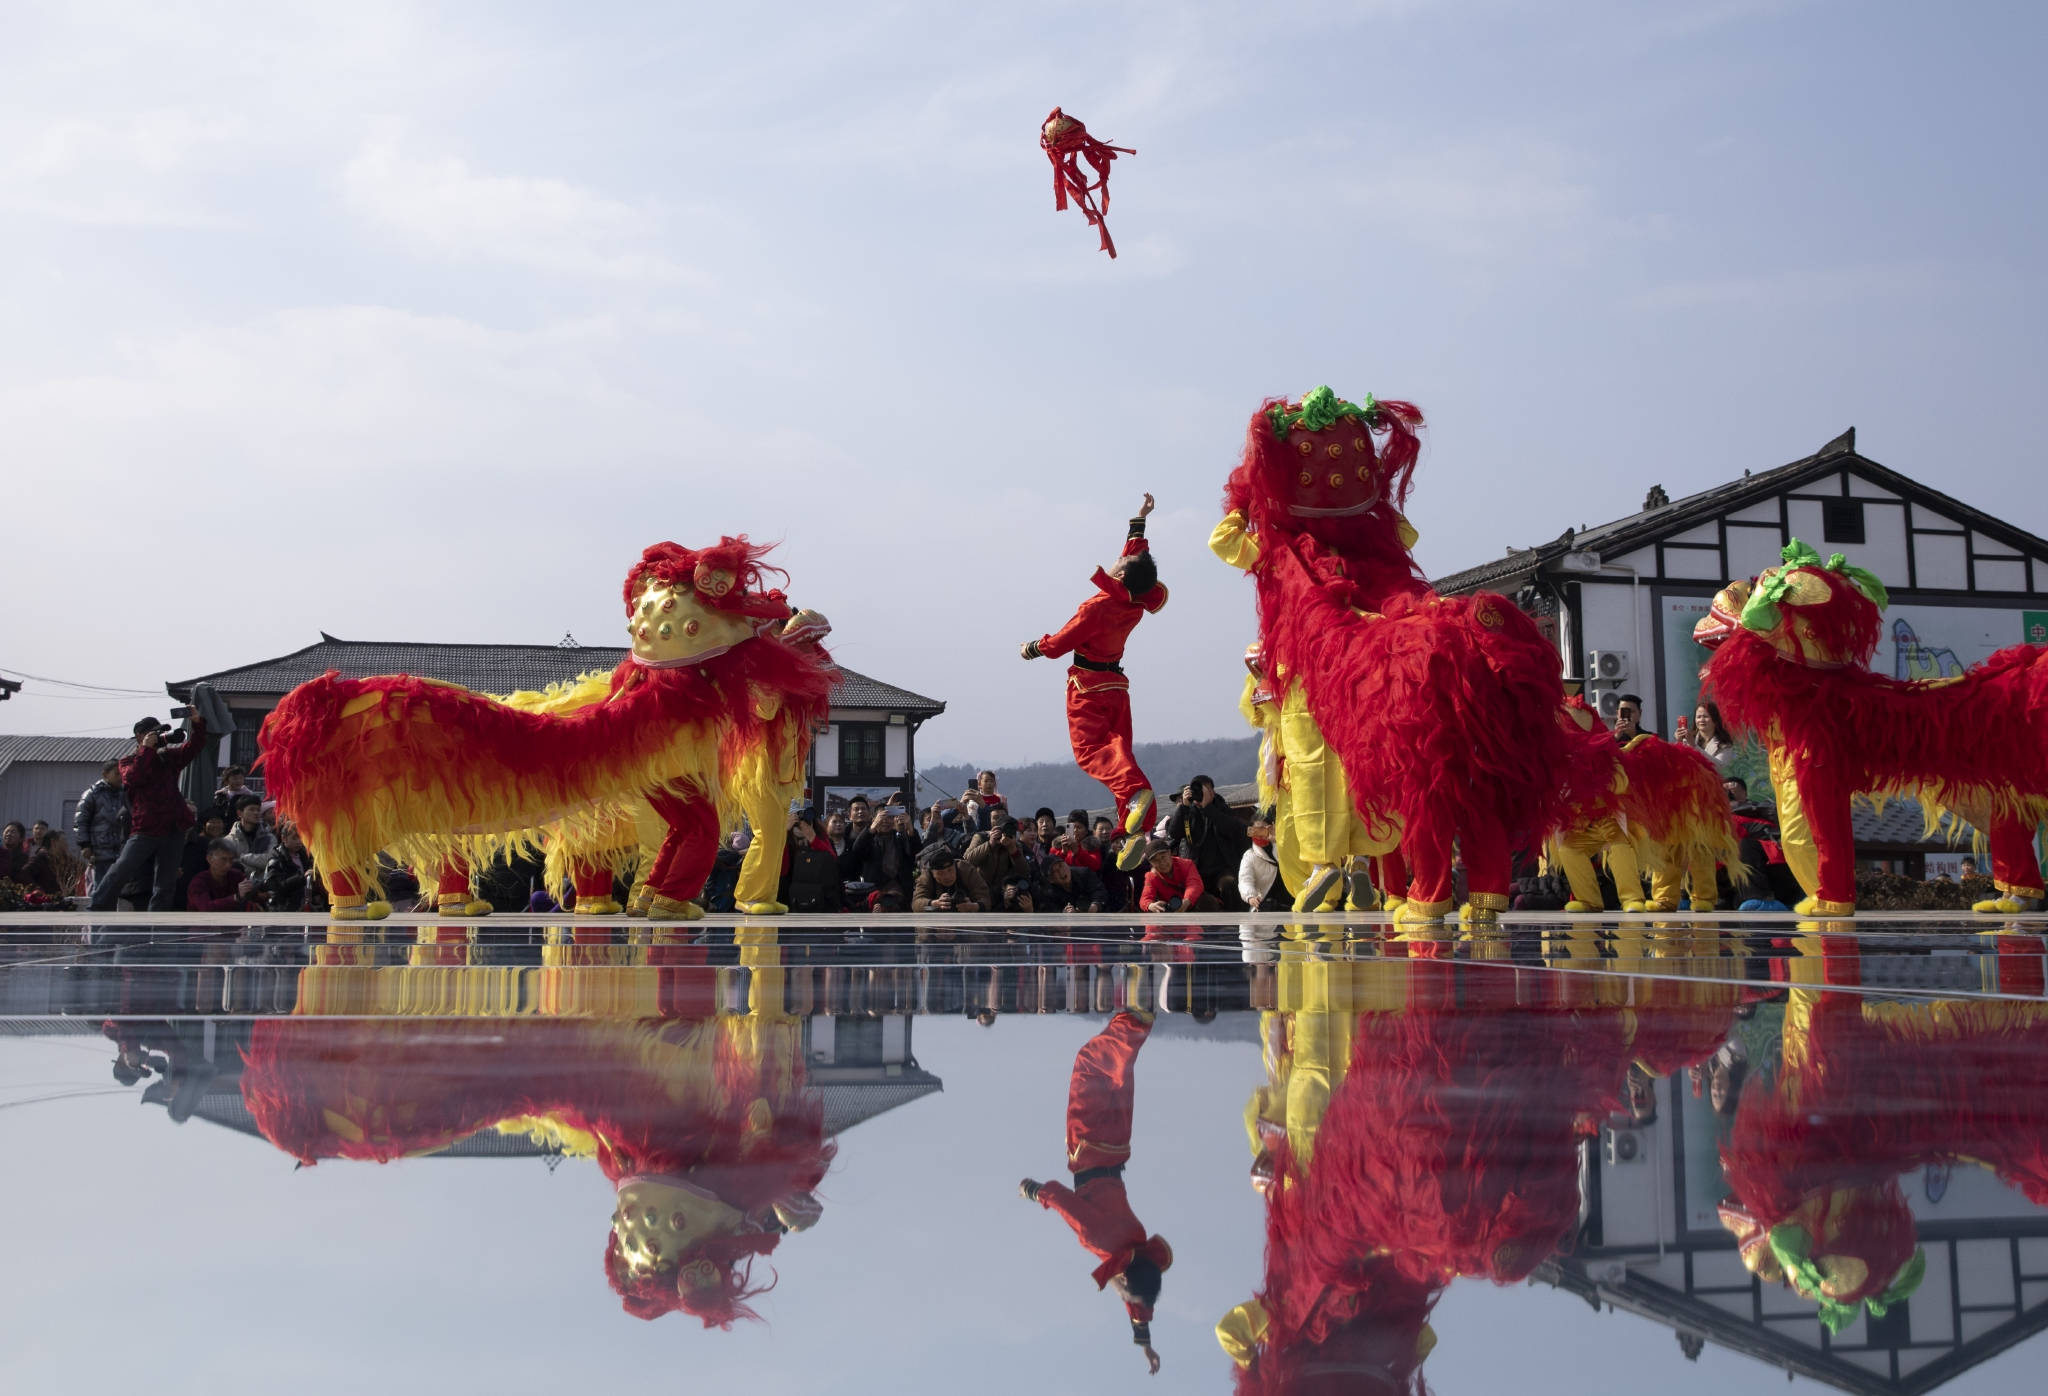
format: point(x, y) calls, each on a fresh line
point(45, 777)
point(871, 744)
point(1621, 598)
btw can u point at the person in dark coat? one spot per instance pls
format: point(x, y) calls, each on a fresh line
point(1216, 839)
point(99, 826)
point(158, 814)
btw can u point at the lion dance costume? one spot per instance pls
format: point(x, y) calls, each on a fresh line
point(709, 716)
point(1791, 662)
point(702, 1121)
point(1443, 713)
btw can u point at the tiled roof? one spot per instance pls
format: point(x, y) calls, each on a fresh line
point(63, 750)
point(1639, 530)
point(489, 669)
point(1901, 821)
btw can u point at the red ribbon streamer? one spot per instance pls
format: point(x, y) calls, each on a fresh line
point(1066, 143)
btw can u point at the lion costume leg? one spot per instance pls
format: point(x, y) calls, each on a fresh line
point(2015, 868)
point(684, 861)
point(1489, 865)
point(452, 894)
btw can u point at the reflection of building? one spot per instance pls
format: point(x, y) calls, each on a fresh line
point(1649, 1249)
point(862, 1065)
point(1966, 582)
point(872, 740)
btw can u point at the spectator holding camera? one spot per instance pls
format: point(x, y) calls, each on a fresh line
point(1173, 884)
point(223, 884)
point(944, 883)
point(1214, 836)
point(884, 857)
point(158, 814)
point(1000, 859)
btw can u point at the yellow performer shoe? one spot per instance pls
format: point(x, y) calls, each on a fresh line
point(1141, 805)
point(1414, 913)
point(1583, 907)
point(1132, 856)
point(1635, 906)
point(458, 904)
point(1360, 895)
point(1391, 904)
point(1321, 879)
point(669, 909)
point(763, 908)
point(1483, 909)
point(357, 909)
point(636, 905)
point(1814, 906)
point(2008, 905)
point(596, 906)
point(1703, 908)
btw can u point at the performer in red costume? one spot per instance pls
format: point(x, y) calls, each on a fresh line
point(1099, 1104)
point(1098, 694)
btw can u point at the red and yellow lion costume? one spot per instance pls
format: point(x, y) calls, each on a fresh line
point(710, 716)
point(1444, 711)
point(1791, 662)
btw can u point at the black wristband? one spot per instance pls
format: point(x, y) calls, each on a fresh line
point(1137, 527)
point(1141, 1332)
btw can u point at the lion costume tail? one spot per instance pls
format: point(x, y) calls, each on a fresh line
point(1676, 807)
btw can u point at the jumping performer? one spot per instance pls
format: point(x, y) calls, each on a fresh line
point(1098, 693)
point(1100, 1099)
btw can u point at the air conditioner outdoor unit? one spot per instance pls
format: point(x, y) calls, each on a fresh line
point(1607, 703)
point(1623, 1146)
point(1608, 666)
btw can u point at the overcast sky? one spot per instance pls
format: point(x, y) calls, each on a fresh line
point(419, 322)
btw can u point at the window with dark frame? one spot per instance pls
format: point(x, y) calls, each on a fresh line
point(1841, 520)
point(860, 751)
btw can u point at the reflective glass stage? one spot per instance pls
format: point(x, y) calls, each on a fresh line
point(1564, 1151)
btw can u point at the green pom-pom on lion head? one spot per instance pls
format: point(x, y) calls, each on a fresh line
point(1318, 410)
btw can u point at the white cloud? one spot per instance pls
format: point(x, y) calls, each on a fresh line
point(439, 206)
point(135, 172)
point(1802, 288)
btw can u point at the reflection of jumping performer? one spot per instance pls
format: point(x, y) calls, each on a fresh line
point(1099, 1105)
point(1098, 694)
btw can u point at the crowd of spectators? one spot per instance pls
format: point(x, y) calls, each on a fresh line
point(974, 854)
point(137, 841)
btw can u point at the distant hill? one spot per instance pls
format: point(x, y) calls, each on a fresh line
point(1062, 785)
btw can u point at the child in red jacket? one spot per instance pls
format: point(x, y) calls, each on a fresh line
point(1100, 1099)
point(1098, 693)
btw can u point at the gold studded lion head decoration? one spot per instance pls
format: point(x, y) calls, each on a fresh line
point(1822, 615)
point(687, 604)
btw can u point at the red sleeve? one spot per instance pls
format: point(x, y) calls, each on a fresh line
point(1082, 858)
point(1191, 882)
point(1077, 631)
point(188, 750)
point(1154, 890)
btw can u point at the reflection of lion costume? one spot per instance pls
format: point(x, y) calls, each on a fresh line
point(610, 1052)
point(1420, 1123)
point(1870, 1090)
point(1791, 662)
point(710, 716)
